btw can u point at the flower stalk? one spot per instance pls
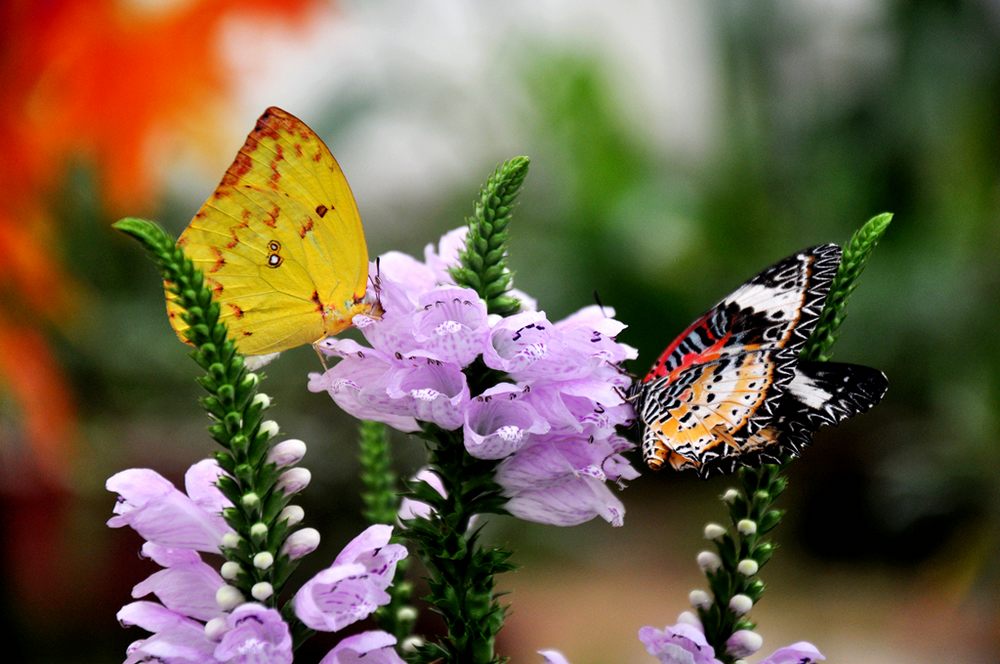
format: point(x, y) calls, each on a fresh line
point(258, 484)
point(745, 549)
point(381, 500)
point(461, 570)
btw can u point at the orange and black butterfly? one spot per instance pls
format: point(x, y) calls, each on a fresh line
point(731, 389)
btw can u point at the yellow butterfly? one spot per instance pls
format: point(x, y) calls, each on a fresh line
point(280, 242)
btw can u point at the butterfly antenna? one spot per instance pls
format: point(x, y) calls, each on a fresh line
point(597, 299)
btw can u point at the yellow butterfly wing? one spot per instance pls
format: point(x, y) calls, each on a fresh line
point(280, 242)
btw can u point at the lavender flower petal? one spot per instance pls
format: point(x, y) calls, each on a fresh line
point(802, 652)
point(373, 647)
point(678, 644)
point(354, 586)
point(498, 422)
point(151, 506)
point(561, 481)
point(431, 391)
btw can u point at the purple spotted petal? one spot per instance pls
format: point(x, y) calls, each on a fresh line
point(372, 549)
point(598, 327)
point(561, 481)
point(499, 422)
point(374, 647)
point(337, 597)
point(451, 325)
point(256, 635)
point(431, 391)
point(802, 652)
point(354, 586)
point(150, 505)
point(678, 644)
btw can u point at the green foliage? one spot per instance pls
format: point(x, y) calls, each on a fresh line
point(483, 262)
point(237, 411)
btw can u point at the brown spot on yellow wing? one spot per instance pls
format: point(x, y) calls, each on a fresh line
point(306, 227)
point(321, 210)
point(247, 333)
point(237, 310)
point(219, 260)
point(272, 217)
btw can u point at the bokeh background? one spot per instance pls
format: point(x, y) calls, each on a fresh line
point(677, 148)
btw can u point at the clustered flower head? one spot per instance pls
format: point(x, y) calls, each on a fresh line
point(550, 412)
point(199, 618)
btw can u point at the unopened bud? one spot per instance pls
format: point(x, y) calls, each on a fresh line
point(261, 400)
point(411, 643)
point(744, 643)
point(689, 618)
point(287, 453)
point(269, 427)
point(263, 560)
point(714, 531)
point(261, 591)
point(740, 604)
point(746, 527)
point(300, 543)
point(228, 597)
point(293, 514)
point(230, 540)
point(708, 561)
point(230, 570)
point(215, 628)
point(293, 480)
point(406, 614)
point(250, 500)
point(258, 531)
point(699, 599)
point(747, 567)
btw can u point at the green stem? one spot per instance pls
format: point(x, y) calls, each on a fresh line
point(381, 500)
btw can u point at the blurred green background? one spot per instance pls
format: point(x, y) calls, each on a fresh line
point(677, 148)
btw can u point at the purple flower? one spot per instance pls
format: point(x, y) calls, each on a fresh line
point(154, 508)
point(553, 657)
point(373, 647)
point(685, 643)
point(558, 383)
point(802, 652)
point(354, 586)
point(561, 480)
point(499, 422)
point(255, 635)
point(682, 643)
point(186, 585)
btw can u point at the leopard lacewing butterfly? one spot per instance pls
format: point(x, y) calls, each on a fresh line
point(731, 389)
